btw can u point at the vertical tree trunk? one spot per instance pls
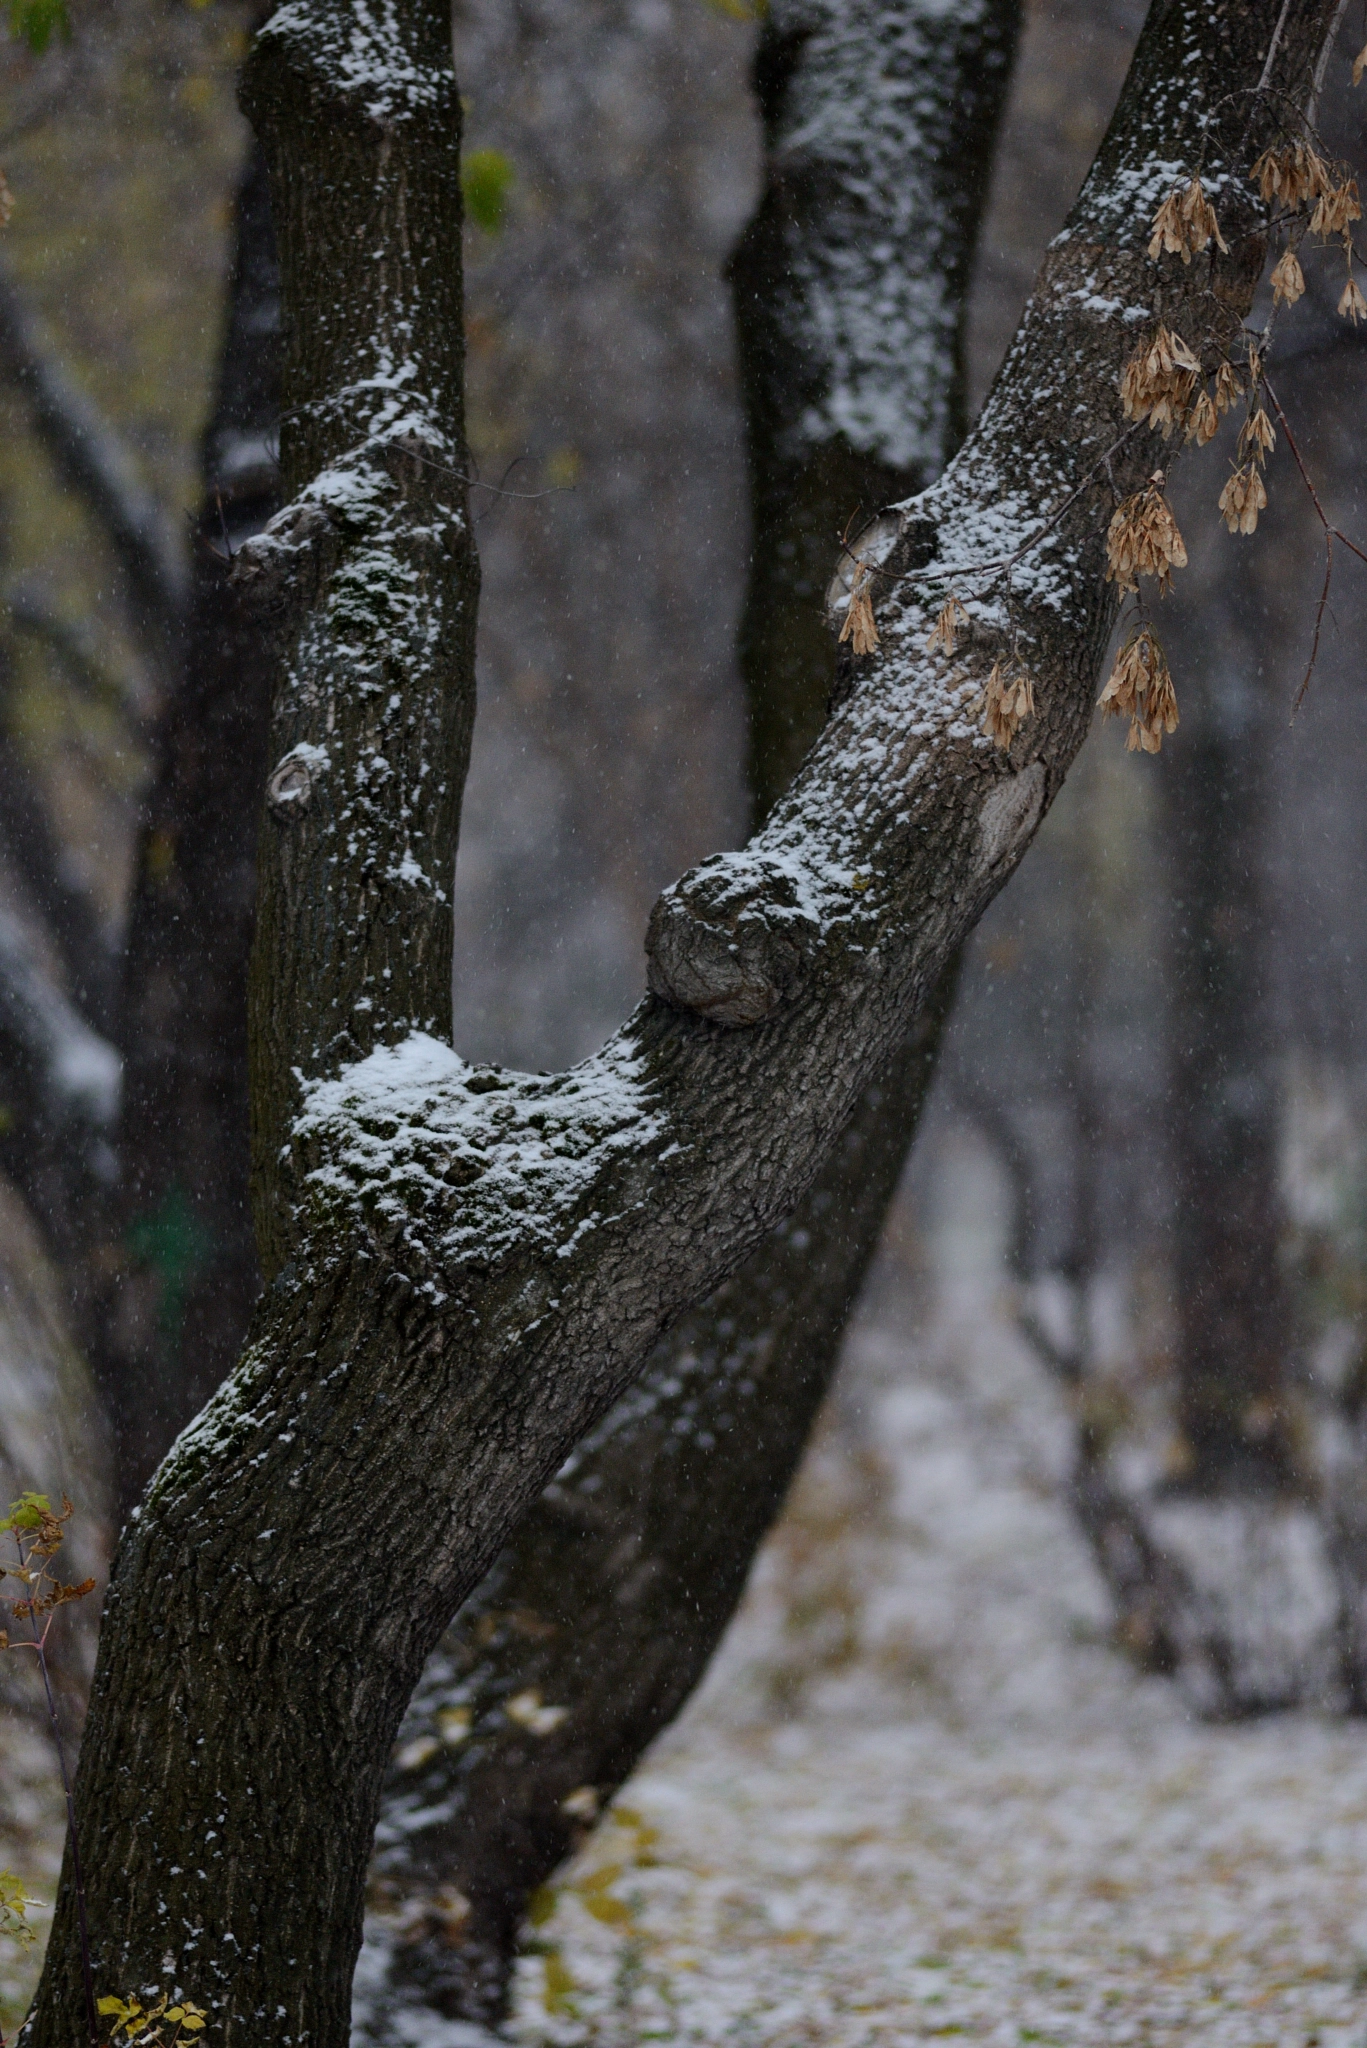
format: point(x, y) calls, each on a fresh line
point(1234, 1324)
point(187, 1270)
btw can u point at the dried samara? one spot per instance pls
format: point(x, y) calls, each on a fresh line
point(1007, 700)
point(1140, 688)
point(860, 627)
point(1143, 539)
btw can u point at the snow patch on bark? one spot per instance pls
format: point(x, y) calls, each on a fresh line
point(477, 1158)
point(361, 52)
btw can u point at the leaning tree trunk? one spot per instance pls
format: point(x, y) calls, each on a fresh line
point(616, 1589)
point(187, 1271)
point(466, 1267)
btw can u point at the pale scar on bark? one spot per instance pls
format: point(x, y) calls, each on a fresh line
point(1011, 813)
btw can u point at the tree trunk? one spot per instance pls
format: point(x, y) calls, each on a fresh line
point(186, 1264)
point(466, 1267)
point(1234, 1322)
point(616, 1588)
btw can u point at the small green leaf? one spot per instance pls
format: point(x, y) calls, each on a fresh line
point(27, 1512)
point(35, 22)
point(485, 177)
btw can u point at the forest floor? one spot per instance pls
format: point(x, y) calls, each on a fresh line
point(920, 1797)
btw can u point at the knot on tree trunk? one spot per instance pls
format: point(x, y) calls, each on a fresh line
point(281, 569)
point(731, 940)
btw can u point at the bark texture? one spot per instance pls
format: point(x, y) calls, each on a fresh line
point(850, 286)
point(466, 1267)
point(618, 1585)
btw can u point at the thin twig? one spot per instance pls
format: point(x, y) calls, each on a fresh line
point(1331, 534)
point(1006, 562)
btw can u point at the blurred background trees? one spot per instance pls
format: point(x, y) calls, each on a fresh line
point(1155, 1054)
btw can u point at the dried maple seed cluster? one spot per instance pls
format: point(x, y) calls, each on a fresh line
point(1163, 383)
point(1289, 174)
point(1243, 498)
point(1185, 224)
point(1007, 699)
point(860, 627)
point(1143, 539)
point(1140, 688)
point(952, 619)
point(1158, 381)
point(1245, 494)
point(1293, 176)
point(1288, 279)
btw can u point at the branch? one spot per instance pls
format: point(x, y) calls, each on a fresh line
point(98, 467)
point(1331, 534)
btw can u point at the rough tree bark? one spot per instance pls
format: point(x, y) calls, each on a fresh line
point(466, 1267)
point(616, 1588)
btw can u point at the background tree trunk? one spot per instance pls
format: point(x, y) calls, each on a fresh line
point(187, 1269)
point(616, 1589)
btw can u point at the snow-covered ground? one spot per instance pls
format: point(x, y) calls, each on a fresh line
point(920, 1797)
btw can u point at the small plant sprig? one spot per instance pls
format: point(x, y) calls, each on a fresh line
point(14, 1907)
point(148, 2024)
point(38, 1534)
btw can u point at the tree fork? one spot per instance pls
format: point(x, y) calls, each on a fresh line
point(467, 1266)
